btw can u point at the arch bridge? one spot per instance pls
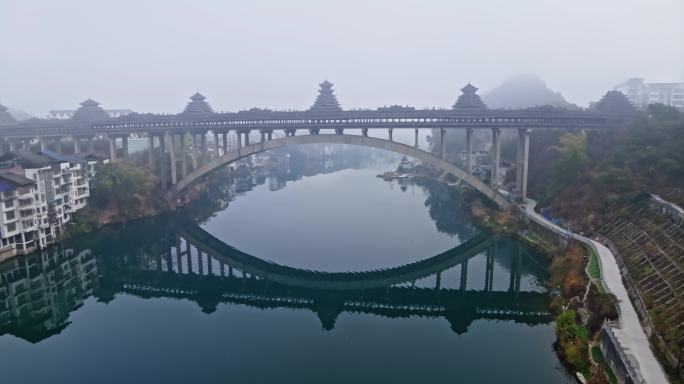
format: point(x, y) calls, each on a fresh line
point(185, 133)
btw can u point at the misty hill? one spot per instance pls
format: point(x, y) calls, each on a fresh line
point(524, 91)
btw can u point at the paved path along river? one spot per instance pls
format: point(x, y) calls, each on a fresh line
point(630, 334)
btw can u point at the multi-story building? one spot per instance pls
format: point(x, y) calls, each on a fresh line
point(642, 94)
point(20, 216)
point(40, 193)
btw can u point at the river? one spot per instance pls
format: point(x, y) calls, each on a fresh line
point(312, 270)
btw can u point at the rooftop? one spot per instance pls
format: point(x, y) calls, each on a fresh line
point(197, 105)
point(326, 101)
point(469, 99)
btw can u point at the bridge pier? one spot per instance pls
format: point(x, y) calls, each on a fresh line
point(172, 156)
point(270, 135)
point(247, 138)
point(441, 143)
point(489, 270)
point(314, 131)
point(415, 143)
point(464, 276)
point(77, 144)
point(150, 151)
point(112, 147)
point(496, 157)
point(41, 144)
point(216, 143)
point(124, 146)
point(193, 154)
point(469, 150)
point(263, 135)
point(162, 163)
point(390, 134)
point(339, 131)
point(523, 160)
point(203, 140)
point(58, 146)
point(364, 132)
point(184, 161)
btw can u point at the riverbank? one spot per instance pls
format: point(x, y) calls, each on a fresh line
point(631, 334)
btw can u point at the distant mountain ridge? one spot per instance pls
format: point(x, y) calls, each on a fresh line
point(524, 91)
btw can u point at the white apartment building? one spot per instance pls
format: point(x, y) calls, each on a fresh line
point(642, 94)
point(41, 193)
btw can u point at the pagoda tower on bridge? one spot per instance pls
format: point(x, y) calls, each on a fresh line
point(615, 102)
point(197, 105)
point(469, 99)
point(89, 110)
point(326, 101)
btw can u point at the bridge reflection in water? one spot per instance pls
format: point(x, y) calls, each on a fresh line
point(39, 291)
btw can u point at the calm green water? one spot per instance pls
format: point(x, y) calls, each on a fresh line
point(132, 305)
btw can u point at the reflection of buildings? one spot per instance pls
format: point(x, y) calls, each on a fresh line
point(38, 292)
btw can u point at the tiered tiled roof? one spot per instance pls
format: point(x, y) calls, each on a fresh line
point(615, 102)
point(5, 117)
point(469, 99)
point(326, 101)
point(197, 105)
point(90, 111)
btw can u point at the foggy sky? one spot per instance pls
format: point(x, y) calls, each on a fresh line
point(151, 55)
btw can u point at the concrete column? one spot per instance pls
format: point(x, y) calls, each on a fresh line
point(216, 143)
point(184, 161)
point(390, 134)
point(162, 161)
point(77, 144)
point(172, 156)
point(246, 138)
point(150, 151)
point(270, 135)
point(438, 281)
point(124, 146)
point(112, 148)
point(58, 145)
point(225, 142)
point(441, 143)
point(495, 157)
point(364, 132)
point(188, 253)
point(415, 143)
point(239, 139)
point(489, 270)
point(203, 139)
point(263, 135)
point(339, 131)
point(42, 144)
point(464, 276)
point(469, 150)
point(193, 154)
point(523, 161)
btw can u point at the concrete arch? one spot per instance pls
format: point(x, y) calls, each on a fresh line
point(364, 141)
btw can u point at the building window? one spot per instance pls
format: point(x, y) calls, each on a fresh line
point(9, 203)
point(10, 215)
point(11, 227)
